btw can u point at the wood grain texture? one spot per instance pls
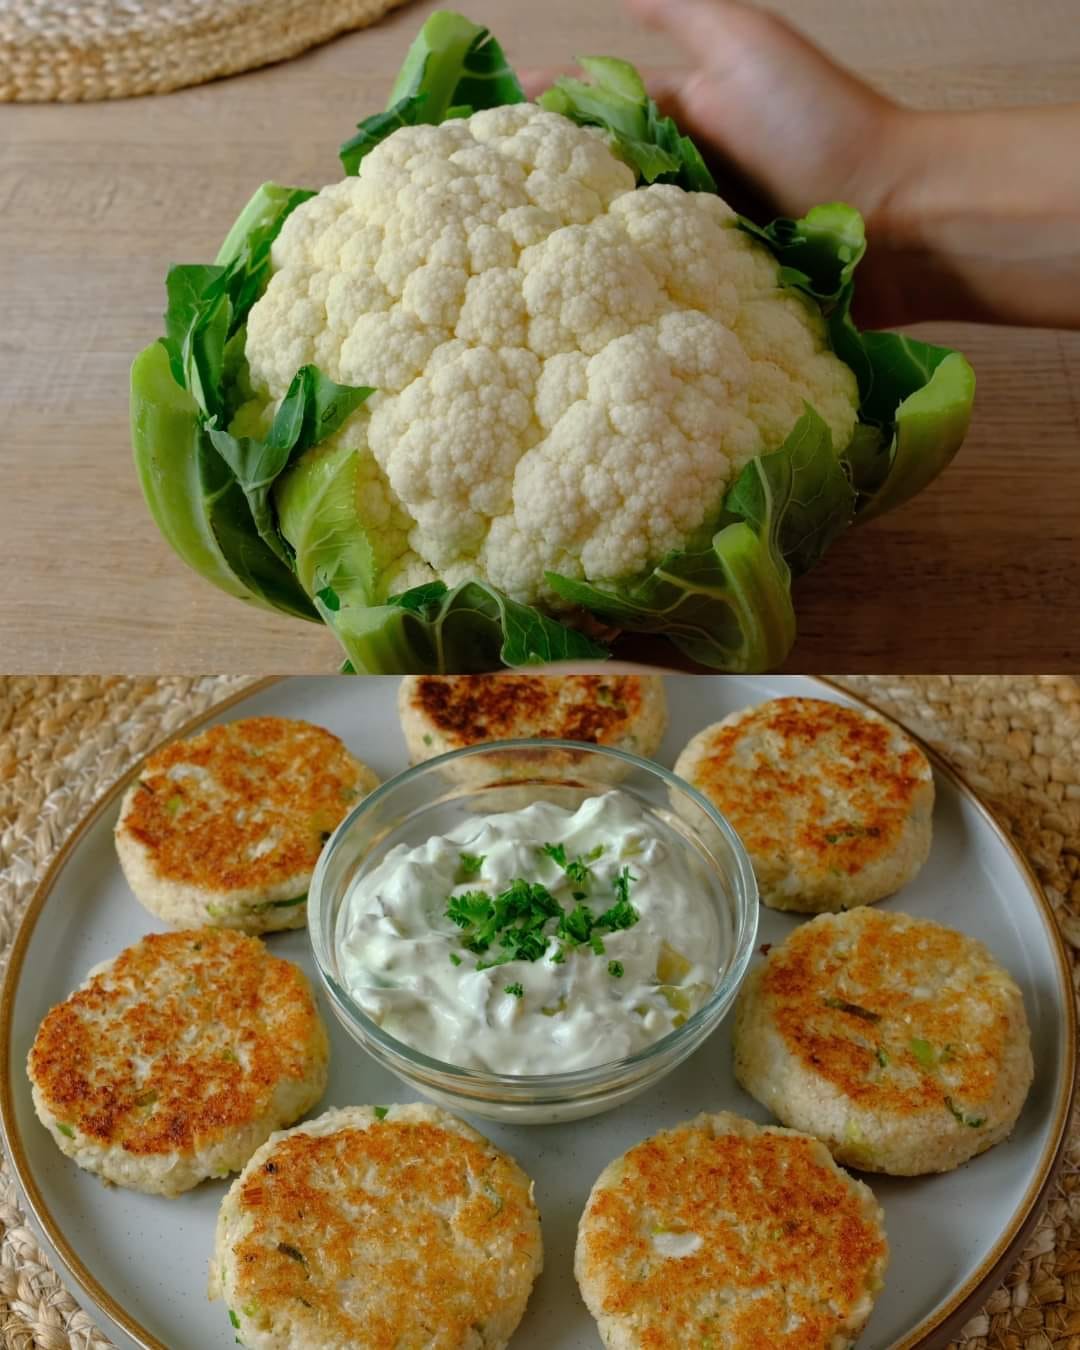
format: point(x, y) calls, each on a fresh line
point(980, 574)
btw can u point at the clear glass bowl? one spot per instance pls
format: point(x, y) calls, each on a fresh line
point(439, 794)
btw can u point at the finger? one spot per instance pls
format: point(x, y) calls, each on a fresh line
point(703, 28)
point(723, 35)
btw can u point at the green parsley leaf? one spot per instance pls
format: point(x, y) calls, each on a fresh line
point(469, 908)
point(596, 942)
point(471, 863)
point(881, 1056)
point(558, 957)
point(577, 925)
point(516, 990)
point(622, 885)
point(577, 869)
point(233, 1318)
point(381, 1112)
point(923, 1052)
point(615, 968)
point(455, 958)
point(524, 944)
point(66, 1129)
point(622, 914)
point(498, 961)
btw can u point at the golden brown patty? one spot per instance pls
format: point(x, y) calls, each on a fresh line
point(833, 804)
point(178, 1058)
point(729, 1235)
point(467, 709)
point(899, 1042)
point(395, 1226)
point(227, 826)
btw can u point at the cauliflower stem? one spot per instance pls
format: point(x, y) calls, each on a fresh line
point(523, 370)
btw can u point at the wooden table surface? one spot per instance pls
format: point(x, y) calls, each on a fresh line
point(981, 573)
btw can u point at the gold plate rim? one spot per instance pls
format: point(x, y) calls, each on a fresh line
point(929, 1333)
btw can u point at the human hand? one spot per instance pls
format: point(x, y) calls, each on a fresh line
point(800, 128)
point(797, 127)
point(782, 125)
point(969, 215)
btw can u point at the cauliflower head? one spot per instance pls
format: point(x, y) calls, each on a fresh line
point(569, 370)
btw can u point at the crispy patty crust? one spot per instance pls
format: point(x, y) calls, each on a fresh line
point(833, 804)
point(226, 827)
point(395, 1226)
point(446, 712)
point(176, 1060)
point(900, 1043)
point(729, 1235)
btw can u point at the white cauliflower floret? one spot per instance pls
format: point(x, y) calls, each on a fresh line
point(570, 370)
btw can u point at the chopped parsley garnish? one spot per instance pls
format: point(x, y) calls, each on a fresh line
point(923, 1052)
point(66, 1129)
point(516, 918)
point(381, 1112)
point(497, 961)
point(469, 908)
point(455, 959)
point(615, 968)
point(621, 885)
point(576, 925)
point(854, 1009)
point(622, 914)
point(558, 956)
point(514, 990)
point(471, 863)
point(975, 1122)
point(233, 1318)
point(577, 869)
point(881, 1056)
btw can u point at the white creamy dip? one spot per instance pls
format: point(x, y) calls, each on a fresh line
point(650, 957)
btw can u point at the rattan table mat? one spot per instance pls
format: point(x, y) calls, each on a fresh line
point(71, 50)
point(1016, 739)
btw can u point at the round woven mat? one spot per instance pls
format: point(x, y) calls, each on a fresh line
point(1014, 738)
point(70, 50)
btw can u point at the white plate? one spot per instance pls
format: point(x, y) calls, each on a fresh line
point(142, 1260)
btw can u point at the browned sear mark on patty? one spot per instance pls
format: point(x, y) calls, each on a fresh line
point(242, 805)
point(782, 1236)
point(861, 764)
point(402, 1216)
point(593, 708)
point(180, 1042)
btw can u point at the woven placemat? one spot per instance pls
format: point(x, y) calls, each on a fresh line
point(67, 51)
point(1015, 738)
